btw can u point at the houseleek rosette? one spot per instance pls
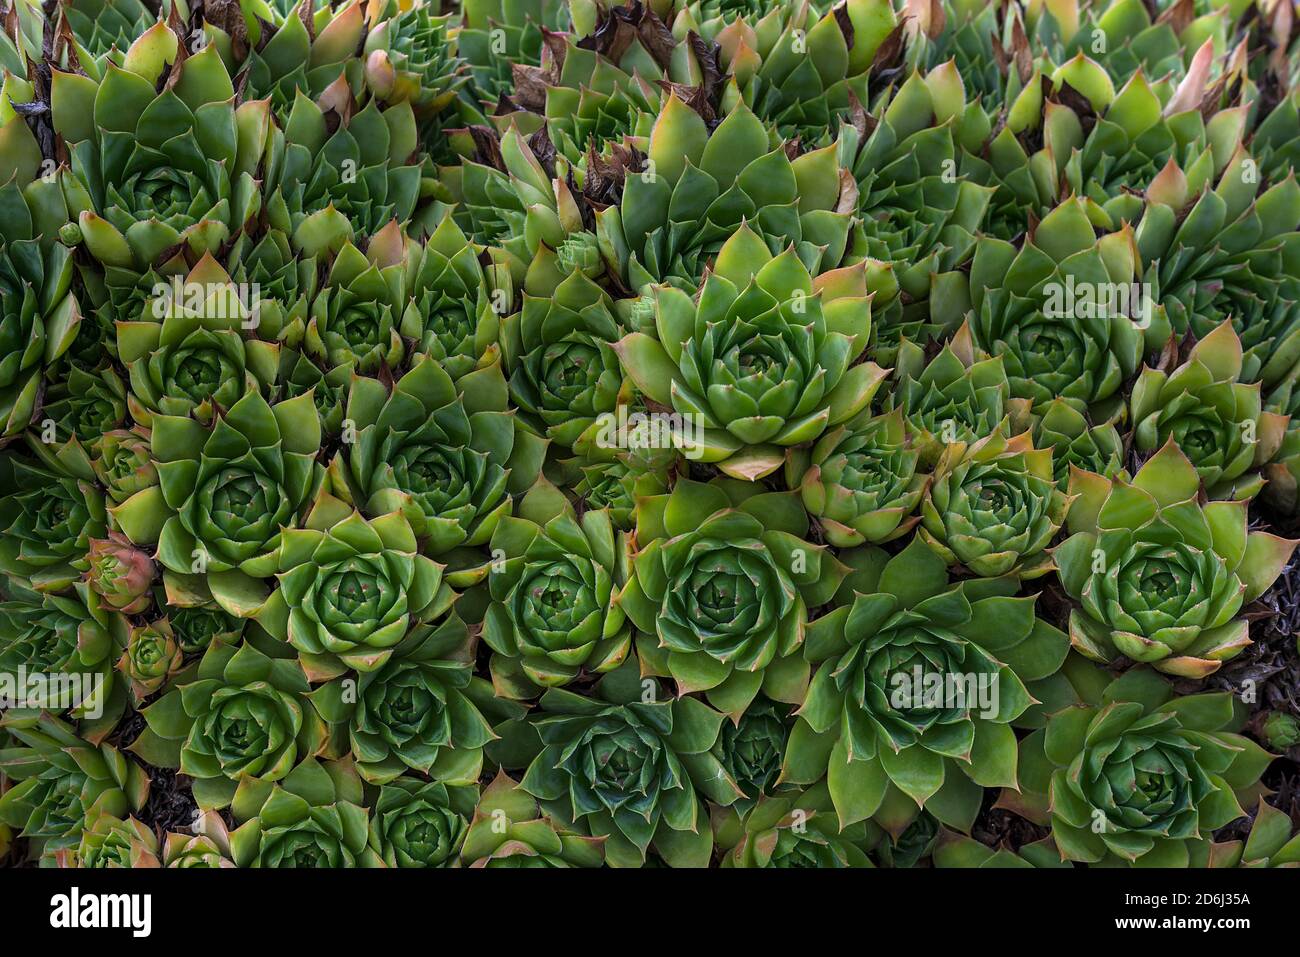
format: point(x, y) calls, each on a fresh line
point(160, 169)
point(85, 402)
point(338, 172)
point(357, 312)
point(793, 831)
point(448, 456)
point(123, 463)
point(120, 574)
point(315, 817)
point(416, 823)
point(953, 398)
point(753, 749)
point(559, 355)
point(227, 493)
point(1075, 443)
point(50, 509)
point(1139, 775)
point(207, 847)
point(1097, 143)
point(630, 770)
point(197, 350)
point(60, 781)
point(419, 712)
point(39, 314)
point(456, 301)
point(724, 581)
point(700, 186)
point(1217, 420)
point(1159, 577)
point(70, 636)
point(1224, 253)
point(350, 589)
point(918, 217)
point(409, 56)
point(994, 506)
point(241, 716)
point(804, 77)
point(509, 831)
point(860, 480)
point(151, 657)
point(762, 359)
point(916, 684)
point(553, 615)
point(1064, 311)
point(110, 841)
point(293, 46)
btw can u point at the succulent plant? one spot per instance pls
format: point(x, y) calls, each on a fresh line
point(553, 583)
point(314, 818)
point(152, 656)
point(655, 763)
point(420, 824)
point(243, 716)
point(700, 186)
point(508, 830)
point(1138, 775)
point(61, 781)
point(419, 712)
point(723, 586)
point(1271, 842)
point(448, 456)
point(207, 847)
point(915, 686)
point(761, 359)
point(796, 831)
point(109, 841)
point(1217, 421)
point(994, 506)
point(1159, 577)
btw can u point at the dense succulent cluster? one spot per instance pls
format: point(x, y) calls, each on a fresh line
point(726, 433)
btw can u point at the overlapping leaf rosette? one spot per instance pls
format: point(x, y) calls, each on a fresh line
point(238, 716)
point(227, 493)
point(916, 683)
point(1075, 443)
point(410, 56)
point(558, 352)
point(1137, 774)
point(421, 712)
point(496, 34)
point(39, 312)
point(723, 587)
point(1159, 577)
point(698, 187)
point(918, 218)
point(61, 781)
point(1227, 254)
point(348, 589)
point(198, 348)
point(315, 817)
point(416, 823)
point(509, 831)
point(862, 480)
point(207, 847)
point(762, 358)
point(805, 71)
point(1216, 419)
point(799, 831)
point(994, 507)
point(953, 397)
point(624, 765)
point(1101, 144)
point(1064, 311)
point(448, 456)
point(156, 170)
point(553, 580)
